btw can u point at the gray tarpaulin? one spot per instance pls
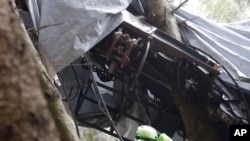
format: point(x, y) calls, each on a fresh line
point(74, 26)
point(228, 44)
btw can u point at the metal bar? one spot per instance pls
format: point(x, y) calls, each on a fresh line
point(114, 110)
point(132, 98)
point(168, 45)
point(102, 130)
point(82, 97)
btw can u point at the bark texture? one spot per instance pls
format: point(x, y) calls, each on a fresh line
point(64, 123)
point(194, 115)
point(23, 109)
point(159, 14)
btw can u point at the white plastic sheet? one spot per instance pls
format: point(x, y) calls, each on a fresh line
point(73, 26)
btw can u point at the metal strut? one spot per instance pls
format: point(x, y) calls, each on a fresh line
point(170, 46)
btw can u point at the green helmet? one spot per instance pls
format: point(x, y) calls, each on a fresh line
point(164, 137)
point(146, 132)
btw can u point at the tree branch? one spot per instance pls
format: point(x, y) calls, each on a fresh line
point(179, 6)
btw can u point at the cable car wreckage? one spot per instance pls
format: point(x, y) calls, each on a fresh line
point(153, 61)
point(128, 77)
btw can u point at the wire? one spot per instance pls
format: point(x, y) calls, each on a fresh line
point(70, 106)
point(236, 84)
point(140, 66)
point(101, 101)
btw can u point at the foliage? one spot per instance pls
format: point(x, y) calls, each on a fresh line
point(221, 11)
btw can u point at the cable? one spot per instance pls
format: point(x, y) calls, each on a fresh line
point(104, 108)
point(70, 107)
point(236, 84)
point(144, 57)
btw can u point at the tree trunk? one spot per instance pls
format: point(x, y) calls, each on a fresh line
point(159, 14)
point(194, 115)
point(24, 85)
point(23, 109)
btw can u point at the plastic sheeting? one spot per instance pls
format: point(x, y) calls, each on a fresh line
point(228, 44)
point(73, 27)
